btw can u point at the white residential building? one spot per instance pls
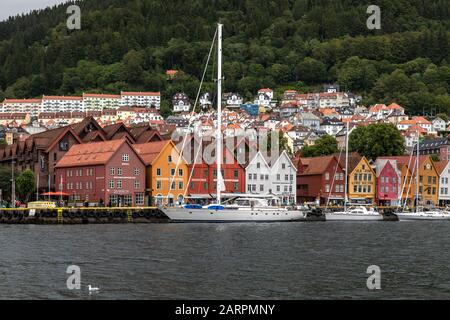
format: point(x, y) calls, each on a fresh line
point(141, 99)
point(98, 102)
point(233, 100)
point(258, 176)
point(62, 104)
point(444, 183)
point(181, 102)
point(438, 125)
point(284, 179)
point(331, 126)
point(31, 106)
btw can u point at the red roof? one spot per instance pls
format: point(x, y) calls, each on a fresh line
point(171, 72)
point(150, 151)
point(141, 93)
point(22, 101)
point(441, 165)
point(90, 154)
point(104, 96)
point(315, 165)
point(60, 98)
point(265, 90)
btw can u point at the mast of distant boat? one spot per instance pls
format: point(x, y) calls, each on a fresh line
point(346, 167)
point(219, 114)
point(417, 171)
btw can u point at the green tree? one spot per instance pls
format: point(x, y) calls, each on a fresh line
point(311, 70)
point(26, 184)
point(324, 146)
point(377, 140)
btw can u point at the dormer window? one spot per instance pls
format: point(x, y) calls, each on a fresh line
point(63, 146)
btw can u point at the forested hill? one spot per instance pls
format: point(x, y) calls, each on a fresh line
point(299, 44)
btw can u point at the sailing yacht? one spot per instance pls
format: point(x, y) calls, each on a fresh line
point(421, 213)
point(355, 213)
point(241, 209)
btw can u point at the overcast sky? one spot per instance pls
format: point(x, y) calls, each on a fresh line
point(13, 7)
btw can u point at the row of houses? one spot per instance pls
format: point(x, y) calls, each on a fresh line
point(387, 181)
point(85, 102)
point(78, 160)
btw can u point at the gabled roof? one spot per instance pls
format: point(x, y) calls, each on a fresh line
point(90, 154)
point(441, 165)
point(353, 160)
point(150, 151)
point(316, 165)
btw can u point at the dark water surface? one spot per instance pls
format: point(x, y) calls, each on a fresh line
point(227, 261)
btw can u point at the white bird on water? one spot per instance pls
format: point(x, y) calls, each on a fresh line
point(93, 289)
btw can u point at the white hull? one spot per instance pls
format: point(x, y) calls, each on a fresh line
point(409, 216)
point(344, 216)
point(232, 215)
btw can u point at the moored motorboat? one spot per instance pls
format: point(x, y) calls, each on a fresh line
point(359, 213)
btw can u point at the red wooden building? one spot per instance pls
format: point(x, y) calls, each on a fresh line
point(109, 172)
point(388, 182)
point(204, 175)
point(320, 178)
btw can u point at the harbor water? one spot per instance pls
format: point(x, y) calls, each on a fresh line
point(227, 261)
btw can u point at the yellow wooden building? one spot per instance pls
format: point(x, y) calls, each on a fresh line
point(167, 172)
point(361, 180)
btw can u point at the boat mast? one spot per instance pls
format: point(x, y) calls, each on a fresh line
point(219, 113)
point(417, 172)
point(346, 167)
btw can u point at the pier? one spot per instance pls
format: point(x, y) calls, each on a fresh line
point(82, 215)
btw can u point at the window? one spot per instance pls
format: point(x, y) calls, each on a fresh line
point(278, 177)
point(286, 177)
point(119, 184)
point(180, 172)
point(327, 188)
point(169, 159)
point(180, 185)
point(111, 184)
point(355, 188)
point(119, 171)
point(267, 177)
point(125, 157)
point(236, 174)
point(172, 172)
point(283, 166)
point(158, 172)
point(139, 198)
point(327, 176)
point(258, 165)
point(137, 171)
point(112, 171)
point(158, 185)
point(205, 185)
point(173, 185)
point(261, 187)
point(250, 176)
point(278, 188)
point(137, 184)
point(255, 176)
point(236, 186)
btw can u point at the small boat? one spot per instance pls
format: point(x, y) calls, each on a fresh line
point(359, 213)
point(421, 214)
